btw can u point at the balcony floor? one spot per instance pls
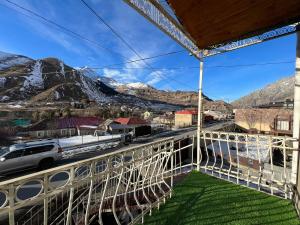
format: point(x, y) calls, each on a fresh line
point(203, 199)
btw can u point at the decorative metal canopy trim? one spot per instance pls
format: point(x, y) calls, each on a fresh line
point(159, 17)
point(155, 13)
point(217, 49)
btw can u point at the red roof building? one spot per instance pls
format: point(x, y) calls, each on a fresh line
point(187, 112)
point(70, 122)
point(131, 121)
point(186, 118)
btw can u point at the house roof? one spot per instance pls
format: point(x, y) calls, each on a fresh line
point(63, 123)
point(70, 122)
point(40, 125)
point(130, 121)
point(187, 112)
point(107, 122)
point(213, 22)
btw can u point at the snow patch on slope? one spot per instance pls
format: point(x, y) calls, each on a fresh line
point(7, 60)
point(4, 98)
point(2, 82)
point(90, 89)
point(62, 68)
point(35, 79)
point(56, 95)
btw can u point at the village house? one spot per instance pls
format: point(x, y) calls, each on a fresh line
point(189, 117)
point(217, 115)
point(271, 121)
point(186, 118)
point(61, 127)
point(113, 127)
point(167, 119)
point(139, 126)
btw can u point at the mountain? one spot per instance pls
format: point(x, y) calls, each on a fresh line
point(144, 91)
point(46, 80)
point(278, 91)
point(50, 80)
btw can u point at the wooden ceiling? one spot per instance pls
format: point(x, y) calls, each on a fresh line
point(211, 22)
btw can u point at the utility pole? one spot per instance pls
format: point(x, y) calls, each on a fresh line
point(296, 119)
point(199, 123)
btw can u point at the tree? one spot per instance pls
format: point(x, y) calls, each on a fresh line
point(66, 112)
point(36, 116)
point(46, 115)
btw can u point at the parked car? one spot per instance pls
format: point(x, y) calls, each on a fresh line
point(29, 155)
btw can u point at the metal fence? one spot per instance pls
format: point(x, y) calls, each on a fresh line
point(121, 187)
point(262, 162)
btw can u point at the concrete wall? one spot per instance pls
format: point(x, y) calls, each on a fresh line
point(260, 119)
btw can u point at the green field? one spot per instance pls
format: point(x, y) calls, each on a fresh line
point(202, 199)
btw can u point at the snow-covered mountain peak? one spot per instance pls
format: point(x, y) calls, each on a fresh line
point(5, 55)
point(137, 85)
point(109, 81)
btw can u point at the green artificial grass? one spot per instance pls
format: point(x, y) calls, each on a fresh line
point(203, 199)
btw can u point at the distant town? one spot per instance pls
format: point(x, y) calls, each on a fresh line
point(20, 123)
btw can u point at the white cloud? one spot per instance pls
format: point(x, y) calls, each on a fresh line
point(155, 77)
point(138, 32)
point(158, 75)
point(119, 76)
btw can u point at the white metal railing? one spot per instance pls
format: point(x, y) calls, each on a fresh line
point(263, 162)
point(127, 181)
point(125, 185)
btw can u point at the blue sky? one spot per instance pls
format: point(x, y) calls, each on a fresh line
point(32, 37)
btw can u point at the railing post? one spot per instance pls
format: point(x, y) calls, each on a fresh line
point(46, 186)
point(69, 214)
point(11, 202)
point(192, 156)
point(92, 174)
point(199, 123)
point(172, 164)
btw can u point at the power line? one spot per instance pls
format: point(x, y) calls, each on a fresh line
point(142, 59)
point(250, 65)
point(166, 68)
point(126, 43)
point(73, 33)
point(197, 67)
point(80, 36)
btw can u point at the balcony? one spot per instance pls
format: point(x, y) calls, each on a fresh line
point(244, 177)
point(203, 199)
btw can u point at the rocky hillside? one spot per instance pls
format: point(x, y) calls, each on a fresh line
point(50, 80)
point(47, 80)
point(186, 98)
point(279, 91)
